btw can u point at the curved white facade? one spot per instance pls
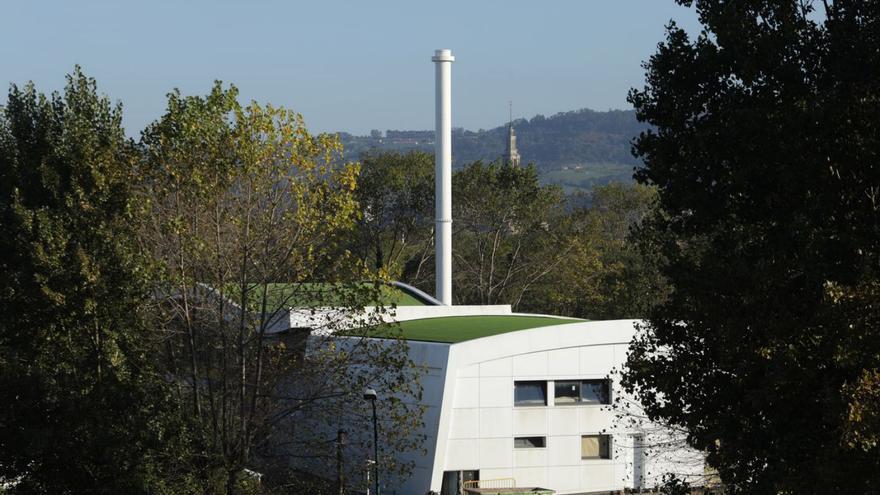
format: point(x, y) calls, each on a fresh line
point(472, 419)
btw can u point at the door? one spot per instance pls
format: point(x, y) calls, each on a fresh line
point(453, 481)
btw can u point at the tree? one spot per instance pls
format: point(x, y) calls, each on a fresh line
point(505, 233)
point(657, 454)
point(764, 153)
point(604, 275)
point(83, 410)
point(249, 211)
point(396, 194)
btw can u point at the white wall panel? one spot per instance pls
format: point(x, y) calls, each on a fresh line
point(563, 420)
point(496, 452)
point(597, 475)
point(467, 392)
point(497, 367)
point(530, 365)
point(495, 422)
point(471, 371)
point(465, 423)
point(462, 454)
point(529, 457)
point(496, 392)
point(594, 419)
point(563, 478)
point(563, 363)
point(565, 450)
point(529, 421)
point(596, 360)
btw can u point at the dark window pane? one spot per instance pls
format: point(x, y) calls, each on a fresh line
point(529, 442)
point(594, 392)
point(530, 393)
point(567, 392)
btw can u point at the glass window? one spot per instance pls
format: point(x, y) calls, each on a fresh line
point(596, 447)
point(567, 392)
point(595, 392)
point(529, 442)
point(531, 393)
point(582, 392)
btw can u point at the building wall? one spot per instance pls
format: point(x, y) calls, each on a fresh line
point(479, 421)
point(484, 421)
point(471, 420)
point(434, 357)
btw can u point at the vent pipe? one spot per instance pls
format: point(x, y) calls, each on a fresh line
point(443, 174)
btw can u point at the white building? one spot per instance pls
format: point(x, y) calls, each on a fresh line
point(525, 400)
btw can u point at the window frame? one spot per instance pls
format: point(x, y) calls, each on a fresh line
point(609, 447)
point(542, 437)
point(545, 387)
point(581, 383)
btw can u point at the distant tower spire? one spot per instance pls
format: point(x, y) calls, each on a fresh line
point(511, 155)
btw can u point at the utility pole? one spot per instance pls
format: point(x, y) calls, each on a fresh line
point(376, 445)
point(340, 471)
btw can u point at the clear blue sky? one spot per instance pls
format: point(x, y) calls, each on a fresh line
point(350, 66)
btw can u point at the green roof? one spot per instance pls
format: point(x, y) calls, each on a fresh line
point(315, 295)
point(452, 329)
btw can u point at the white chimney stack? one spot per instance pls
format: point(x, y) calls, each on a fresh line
point(443, 175)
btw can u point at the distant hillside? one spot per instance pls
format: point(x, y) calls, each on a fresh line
point(575, 149)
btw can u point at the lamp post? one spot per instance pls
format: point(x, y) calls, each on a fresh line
point(370, 395)
point(341, 436)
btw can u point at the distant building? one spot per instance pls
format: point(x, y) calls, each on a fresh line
point(511, 155)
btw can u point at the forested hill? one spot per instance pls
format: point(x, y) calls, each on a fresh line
point(576, 149)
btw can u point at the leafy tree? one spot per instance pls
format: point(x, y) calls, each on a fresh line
point(83, 411)
point(505, 233)
point(604, 276)
point(396, 196)
point(764, 153)
point(249, 211)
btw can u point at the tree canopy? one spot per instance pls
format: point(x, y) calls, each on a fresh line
point(764, 152)
point(83, 411)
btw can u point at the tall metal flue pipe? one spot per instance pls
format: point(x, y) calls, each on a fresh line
point(443, 174)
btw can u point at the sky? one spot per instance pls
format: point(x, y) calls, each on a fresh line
point(345, 65)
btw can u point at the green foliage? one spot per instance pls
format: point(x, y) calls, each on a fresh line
point(396, 196)
point(765, 160)
point(605, 276)
point(249, 216)
point(505, 234)
point(515, 240)
point(82, 409)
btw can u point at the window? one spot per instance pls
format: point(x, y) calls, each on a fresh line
point(529, 442)
point(596, 447)
point(582, 392)
point(530, 393)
